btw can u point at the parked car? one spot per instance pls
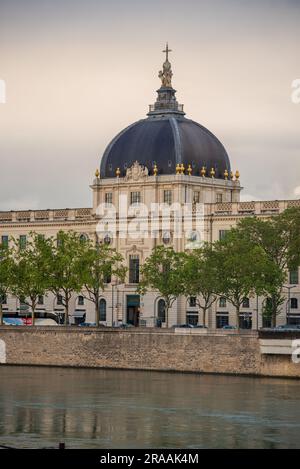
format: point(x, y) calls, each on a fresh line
point(287, 327)
point(123, 325)
point(13, 322)
point(229, 327)
point(45, 322)
point(87, 324)
point(200, 326)
point(189, 326)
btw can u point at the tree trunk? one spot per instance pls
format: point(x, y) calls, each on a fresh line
point(1, 314)
point(97, 312)
point(237, 312)
point(167, 313)
point(204, 316)
point(67, 312)
point(32, 314)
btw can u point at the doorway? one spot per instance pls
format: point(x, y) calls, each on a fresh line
point(133, 310)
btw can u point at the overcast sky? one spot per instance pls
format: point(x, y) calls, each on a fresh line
point(78, 71)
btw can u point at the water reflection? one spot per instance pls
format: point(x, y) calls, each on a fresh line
point(108, 408)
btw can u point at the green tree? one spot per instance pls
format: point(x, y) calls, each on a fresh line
point(199, 276)
point(6, 266)
point(243, 269)
point(162, 271)
point(65, 267)
point(28, 279)
point(279, 238)
point(99, 263)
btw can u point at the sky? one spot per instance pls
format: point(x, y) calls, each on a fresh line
point(78, 71)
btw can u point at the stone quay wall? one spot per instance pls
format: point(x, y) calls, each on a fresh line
point(144, 349)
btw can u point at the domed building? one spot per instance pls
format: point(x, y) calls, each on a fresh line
point(164, 160)
point(163, 180)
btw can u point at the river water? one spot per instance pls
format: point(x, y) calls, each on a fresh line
point(91, 408)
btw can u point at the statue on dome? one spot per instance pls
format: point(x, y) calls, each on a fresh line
point(166, 73)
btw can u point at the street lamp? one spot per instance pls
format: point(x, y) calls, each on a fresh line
point(288, 287)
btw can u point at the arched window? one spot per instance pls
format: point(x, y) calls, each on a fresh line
point(80, 300)
point(222, 302)
point(294, 303)
point(102, 310)
point(161, 310)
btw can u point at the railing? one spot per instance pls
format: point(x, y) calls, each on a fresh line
point(25, 216)
point(165, 107)
point(267, 207)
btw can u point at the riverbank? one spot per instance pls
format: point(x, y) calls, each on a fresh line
point(220, 352)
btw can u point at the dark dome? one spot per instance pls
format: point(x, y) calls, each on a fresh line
point(165, 141)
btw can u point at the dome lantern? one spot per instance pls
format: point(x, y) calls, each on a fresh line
point(166, 102)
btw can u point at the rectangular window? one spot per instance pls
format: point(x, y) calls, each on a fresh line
point(222, 234)
point(222, 302)
point(246, 321)
point(4, 241)
point(134, 269)
point(294, 277)
point(219, 198)
point(246, 303)
point(168, 197)
point(294, 303)
point(108, 198)
point(135, 197)
point(192, 318)
point(196, 197)
point(222, 320)
point(294, 320)
point(40, 300)
point(22, 241)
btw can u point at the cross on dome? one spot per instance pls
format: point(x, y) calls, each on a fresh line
point(166, 51)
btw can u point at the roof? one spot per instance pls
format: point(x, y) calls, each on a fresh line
point(165, 141)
